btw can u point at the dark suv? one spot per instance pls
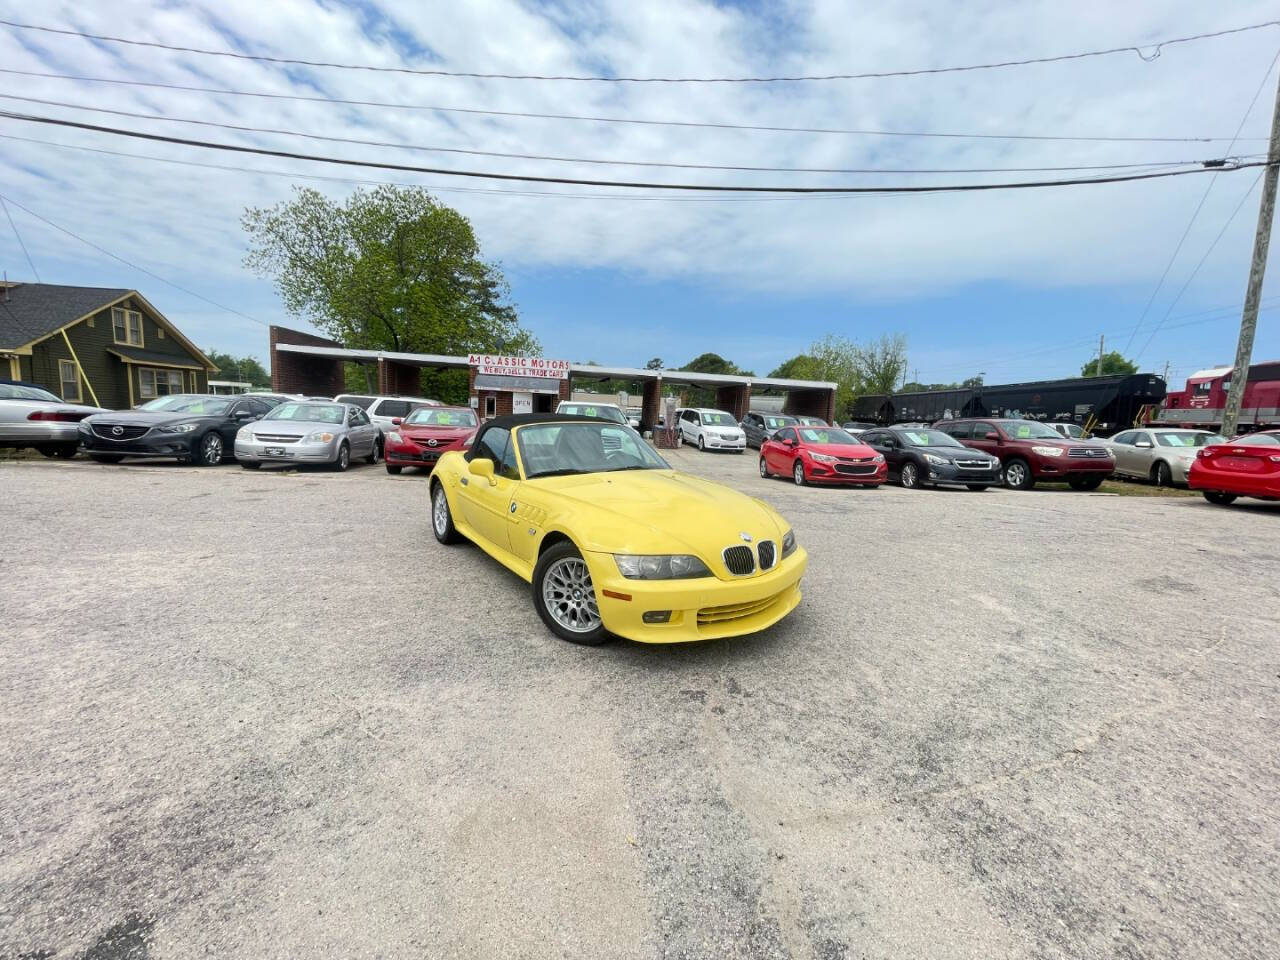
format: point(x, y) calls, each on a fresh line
point(1030, 451)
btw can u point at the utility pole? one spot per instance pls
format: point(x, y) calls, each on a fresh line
point(1165, 378)
point(1102, 340)
point(1257, 269)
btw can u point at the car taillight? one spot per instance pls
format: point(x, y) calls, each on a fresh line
point(1274, 459)
point(62, 416)
point(1205, 452)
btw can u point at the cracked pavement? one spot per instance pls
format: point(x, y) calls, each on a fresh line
point(265, 714)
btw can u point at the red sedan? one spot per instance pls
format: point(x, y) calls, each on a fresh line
point(1248, 466)
point(420, 438)
point(821, 455)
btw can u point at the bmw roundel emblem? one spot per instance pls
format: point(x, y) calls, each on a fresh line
point(746, 537)
point(116, 431)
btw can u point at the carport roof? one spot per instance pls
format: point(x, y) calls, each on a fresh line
point(578, 369)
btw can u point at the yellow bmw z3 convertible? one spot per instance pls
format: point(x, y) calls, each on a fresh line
point(611, 538)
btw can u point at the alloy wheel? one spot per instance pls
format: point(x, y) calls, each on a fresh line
point(440, 512)
point(569, 596)
point(211, 449)
point(764, 468)
point(797, 474)
point(909, 476)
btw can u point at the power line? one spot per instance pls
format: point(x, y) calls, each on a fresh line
point(1196, 212)
point(631, 120)
point(1186, 283)
point(740, 168)
point(31, 263)
point(1154, 48)
point(129, 263)
point(630, 184)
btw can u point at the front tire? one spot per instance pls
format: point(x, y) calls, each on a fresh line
point(376, 454)
point(909, 476)
point(344, 458)
point(1162, 476)
point(797, 474)
point(1017, 475)
point(209, 451)
point(1220, 499)
point(394, 471)
point(565, 597)
point(764, 470)
point(442, 516)
point(702, 444)
point(105, 458)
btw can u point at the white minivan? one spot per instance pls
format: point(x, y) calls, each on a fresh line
point(711, 430)
point(384, 411)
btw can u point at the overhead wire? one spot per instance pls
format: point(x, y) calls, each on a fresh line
point(628, 184)
point(1196, 212)
point(1153, 51)
point(129, 263)
point(737, 168)
point(302, 98)
point(31, 263)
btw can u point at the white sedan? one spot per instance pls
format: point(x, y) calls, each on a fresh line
point(1159, 454)
point(31, 416)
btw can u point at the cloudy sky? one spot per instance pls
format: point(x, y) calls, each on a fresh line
point(1016, 284)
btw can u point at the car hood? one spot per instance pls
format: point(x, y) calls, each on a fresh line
point(428, 430)
point(859, 450)
point(149, 418)
point(660, 511)
point(294, 428)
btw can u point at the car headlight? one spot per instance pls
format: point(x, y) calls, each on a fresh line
point(319, 436)
point(244, 433)
point(1048, 451)
point(660, 567)
point(935, 459)
point(788, 544)
point(179, 428)
point(394, 436)
point(878, 458)
point(823, 457)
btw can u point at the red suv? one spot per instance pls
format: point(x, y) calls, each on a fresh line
point(1030, 451)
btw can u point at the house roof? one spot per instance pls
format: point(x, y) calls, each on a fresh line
point(138, 355)
point(30, 311)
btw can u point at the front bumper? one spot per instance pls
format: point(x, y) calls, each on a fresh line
point(151, 444)
point(252, 451)
point(1064, 468)
point(704, 609)
point(950, 473)
point(411, 454)
point(828, 473)
point(31, 433)
point(723, 443)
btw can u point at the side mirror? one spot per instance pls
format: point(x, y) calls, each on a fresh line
point(991, 435)
point(396, 421)
point(244, 416)
point(483, 467)
point(788, 443)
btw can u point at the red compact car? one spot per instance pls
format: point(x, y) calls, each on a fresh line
point(1248, 466)
point(420, 438)
point(821, 455)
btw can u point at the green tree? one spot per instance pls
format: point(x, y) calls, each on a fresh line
point(800, 367)
point(714, 363)
point(880, 364)
point(244, 369)
point(972, 383)
point(389, 269)
point(654, 364)
point(1113, 362)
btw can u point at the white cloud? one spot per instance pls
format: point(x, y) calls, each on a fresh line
point(183, 221)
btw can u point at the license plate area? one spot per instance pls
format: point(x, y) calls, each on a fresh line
point(1240, 463)
point(274, 451)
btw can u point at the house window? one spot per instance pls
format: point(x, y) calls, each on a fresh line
point(127, 326)
point(159, 333)
point(70, 377)
point(89, 323)
point(159, 383)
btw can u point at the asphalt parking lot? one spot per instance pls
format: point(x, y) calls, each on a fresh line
point(266, 715)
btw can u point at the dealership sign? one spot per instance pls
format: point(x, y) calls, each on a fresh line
point(499, 366)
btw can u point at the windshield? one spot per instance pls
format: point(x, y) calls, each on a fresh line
point(825, 435)
point(715, 418)
point(1188, 438)
point(437, 417)
point(556, 449)
point(1027, 430)
point(773, 423)
point(204, 406)
point(11, 391)
point(309, 412)
point(811, 421)
point(601, 411)
point(930, 438)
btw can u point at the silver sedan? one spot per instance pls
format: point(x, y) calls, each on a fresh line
point(1160, 454)
point(31, 416)
point(300, 431)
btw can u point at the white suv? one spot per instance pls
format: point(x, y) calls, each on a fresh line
point(711, 430)
point(383, 411)
point(601, 411)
